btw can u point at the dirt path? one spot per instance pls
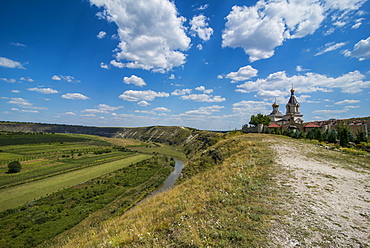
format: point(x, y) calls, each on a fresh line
point(321, 203)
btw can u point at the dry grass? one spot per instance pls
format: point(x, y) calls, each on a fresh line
point(224, 206)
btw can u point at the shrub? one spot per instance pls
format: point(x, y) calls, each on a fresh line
point(14, 167)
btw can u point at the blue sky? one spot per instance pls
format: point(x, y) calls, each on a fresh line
point(203, 64)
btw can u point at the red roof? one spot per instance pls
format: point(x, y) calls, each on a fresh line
point(311, 124)
point(274, 125)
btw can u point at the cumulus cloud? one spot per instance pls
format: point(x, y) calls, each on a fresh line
point(23, 103)
point(28, 79)
point(135, 80)
point(300, 68)
point(181, 92)
point(101, 35)
point(15, 91)
point(203, 98)
point(347, 101)
point(250, 107)
point(244, 73)
point(143, 103)
point(101, 109)
point(68, 79)
point(352, 82)
point(330, 111)
point(104, 66)
point(151, 33)
point(200, 27)
point(260, 28)
point(9, 80)
point(330, 47)
point(43, 90)
point(8, 63)
point(205, 110)
point(75, 96)
point(204, 90)
point(361, 50)
point(161, 109)
point(137, 95)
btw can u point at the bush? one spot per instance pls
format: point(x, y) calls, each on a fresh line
point(14, 167)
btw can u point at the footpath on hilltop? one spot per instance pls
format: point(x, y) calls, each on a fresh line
point(324, 194)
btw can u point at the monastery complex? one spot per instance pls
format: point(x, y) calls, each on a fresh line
point(292, 119)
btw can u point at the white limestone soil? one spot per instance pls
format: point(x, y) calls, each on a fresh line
point(319, 203)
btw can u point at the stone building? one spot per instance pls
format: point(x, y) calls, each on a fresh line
point(291, 119)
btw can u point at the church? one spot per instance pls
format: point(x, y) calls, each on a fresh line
point(292, 117)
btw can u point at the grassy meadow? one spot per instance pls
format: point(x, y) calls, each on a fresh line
point(69, 178)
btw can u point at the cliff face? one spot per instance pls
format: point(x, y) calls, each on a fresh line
point(55, 128)
point(189, 139)
point(170, 135)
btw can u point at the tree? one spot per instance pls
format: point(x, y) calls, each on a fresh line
point(14, 167)
point(360, 137)
point(259, 119)
point(332, 136)
point(343, 135)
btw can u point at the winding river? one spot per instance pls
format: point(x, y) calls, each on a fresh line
point(171, 179)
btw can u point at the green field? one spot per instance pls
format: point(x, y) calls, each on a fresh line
point(18, 195)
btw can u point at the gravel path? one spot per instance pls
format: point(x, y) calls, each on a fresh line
point(320, 203)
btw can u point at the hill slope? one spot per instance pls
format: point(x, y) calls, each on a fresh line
point(257, 191)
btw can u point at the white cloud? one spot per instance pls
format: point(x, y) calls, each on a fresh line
point(11, 80)
point(69, 113)
point(28, 79)
point(117, 64)
point(259, 29)
point(75, 96)
point(68, 79)
point(202, 88)
point(346, 101)
point(330, 111)
point(205, 110)
point(351, 107)
point(151, 33)
point(43, 90)
point(181, 92)
point(25, 110)
point(101, 109)
point(330, 47)
point(200, 27)
point(55, 77)
point(352, 82)
point(203, 7)
point(135, 80)
point(161, 109)
point(200, 47)
point(23, 103)
point(104, 66)
point(101, 35)
point(203, 98)
point(15, 91)
point(143, 103)
point(361, 50)
point(244, 73)
point(8, 63)
point(17, 44)
point(172, 76)
point(136, 95)
point(250, 107)
point(300, 68)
